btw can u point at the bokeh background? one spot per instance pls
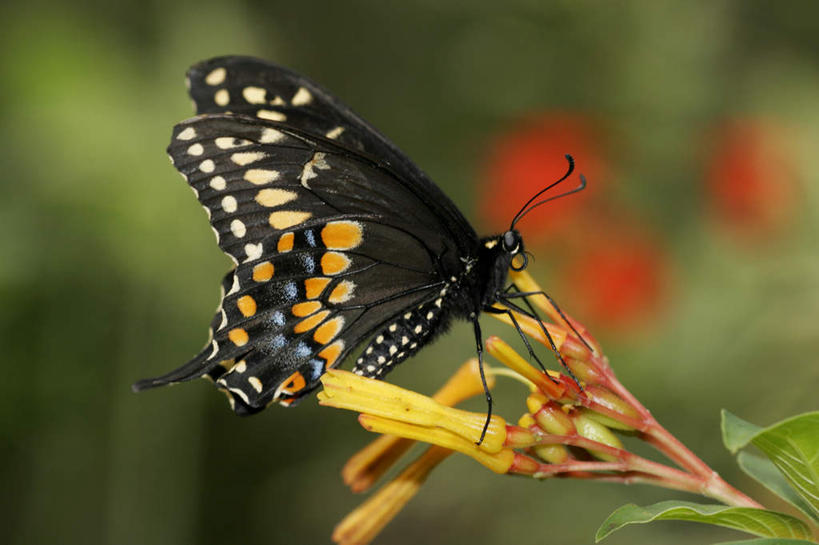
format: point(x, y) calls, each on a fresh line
point(692, 256)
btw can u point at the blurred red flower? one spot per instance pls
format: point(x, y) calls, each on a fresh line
point(749, 181)
point(618, 279)
point(530, 156)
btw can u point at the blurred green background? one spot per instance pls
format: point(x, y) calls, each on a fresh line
point(109, 271)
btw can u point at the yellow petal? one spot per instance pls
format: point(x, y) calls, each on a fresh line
point(499, 461)
point(345, 390)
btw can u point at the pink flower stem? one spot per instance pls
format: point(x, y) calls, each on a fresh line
point(711, 484)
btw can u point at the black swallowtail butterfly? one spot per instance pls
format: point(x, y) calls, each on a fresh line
point(336, 235)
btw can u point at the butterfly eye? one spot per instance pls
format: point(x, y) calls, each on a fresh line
point(511, 241)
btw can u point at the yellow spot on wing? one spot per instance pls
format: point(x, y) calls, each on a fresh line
point(328, 330)
point(314, 286)
point(309, 323)
point(342, 292)
point(263, 271)
point(341, 235)
point(238, 336)
point(246, 305)
point(285, 243)
point(274, 197)
point(334, 263)
point(305, 309)
point(288, 218)
point(261, 176)
point(246, 157)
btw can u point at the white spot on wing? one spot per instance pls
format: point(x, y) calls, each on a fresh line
point(235, 286)
point(196, 149)
point(229, 204)
point(186, 134)
point(332, 134)
point(238, 228)
point(253, 251)
point(228, 142)
point(309, 172)
point(246, 157)
point(254, 95)
point(302, 97)
point(271, 136)
point(256, 383)
point(207, 166)
point(218, 183)
point(221, 97)
point(271, 115)
point(216, 76)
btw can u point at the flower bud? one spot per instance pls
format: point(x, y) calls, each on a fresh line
point(614, 403)
point(553, 454)
point(585, 371)
point(590, 429)
point(551, 419)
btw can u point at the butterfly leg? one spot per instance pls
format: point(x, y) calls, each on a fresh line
point(479, 346)
point(525, 294)
point(516, 324)
point(545, 331)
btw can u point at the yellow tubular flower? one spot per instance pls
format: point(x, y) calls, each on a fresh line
point(365, 467)
point(365, 522)
point(498, 461)
point(345, 390)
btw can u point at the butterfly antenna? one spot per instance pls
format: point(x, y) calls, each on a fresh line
point(523, 211)
point(580, 187)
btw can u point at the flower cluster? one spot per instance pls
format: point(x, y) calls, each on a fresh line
point(586, 415)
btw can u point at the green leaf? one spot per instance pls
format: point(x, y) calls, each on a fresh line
point(736, 432)
point(758, 522)
point(766, 473)
point(792, 445)
point(768, 541)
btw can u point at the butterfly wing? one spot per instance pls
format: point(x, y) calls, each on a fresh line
point(333, 237)
point(257, 88)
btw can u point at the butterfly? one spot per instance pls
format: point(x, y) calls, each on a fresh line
point(338, 239)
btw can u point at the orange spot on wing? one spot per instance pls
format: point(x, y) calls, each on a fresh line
point(305, 309)
point(293, 384)
point(309, 323)
point(263, 271)
point(238, 336)
point(328, 330)
point(341, 235)
point(331, 353)
point(334, 263)
point(342, 292)
point(247, 306)
point(285, 243)
point(314, 286)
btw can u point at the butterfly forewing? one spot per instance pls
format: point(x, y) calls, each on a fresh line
point(335, 234)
